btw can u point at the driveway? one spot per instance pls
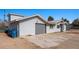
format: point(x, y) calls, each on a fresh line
point(72, 42)
point(61, 40)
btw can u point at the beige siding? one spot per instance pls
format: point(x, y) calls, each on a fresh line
point(54, 29)
point(28, 27)
point(14, 17)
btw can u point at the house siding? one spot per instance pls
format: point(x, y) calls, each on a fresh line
point(55, 29)
point(14, 17)
point(28, 27)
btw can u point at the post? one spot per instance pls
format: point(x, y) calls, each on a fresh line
point(4, 15)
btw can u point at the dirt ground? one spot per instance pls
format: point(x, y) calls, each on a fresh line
point(70, 40)
point(17, 43)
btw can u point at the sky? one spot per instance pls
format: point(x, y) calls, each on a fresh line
point(57, 14)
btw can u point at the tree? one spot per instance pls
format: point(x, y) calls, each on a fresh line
point(50, 18)
point(65, 20)
point(62, 18)
point(76, 22)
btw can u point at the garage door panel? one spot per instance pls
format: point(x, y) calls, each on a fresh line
point(40, 28)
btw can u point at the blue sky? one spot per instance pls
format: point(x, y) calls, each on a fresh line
point(70, 14)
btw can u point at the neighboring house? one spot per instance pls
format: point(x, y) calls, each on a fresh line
point(56, 26)
point(33, 25)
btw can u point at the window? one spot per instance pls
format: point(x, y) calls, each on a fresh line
point(52, 25)
point(58, 26)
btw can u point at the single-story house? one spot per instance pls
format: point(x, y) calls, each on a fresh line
point(33, 25)
point(56, 26)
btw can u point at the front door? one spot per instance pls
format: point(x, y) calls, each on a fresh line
point(61, 27)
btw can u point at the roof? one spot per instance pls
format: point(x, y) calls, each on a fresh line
point(57, 22)
point(26, 18)
point(40, 17)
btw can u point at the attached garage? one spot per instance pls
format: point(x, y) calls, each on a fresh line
point(29, 25)
point(40, 28)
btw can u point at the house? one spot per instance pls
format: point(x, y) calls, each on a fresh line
point(56, 26)
point(32, 25)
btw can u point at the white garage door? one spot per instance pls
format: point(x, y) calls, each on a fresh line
point(40, 28)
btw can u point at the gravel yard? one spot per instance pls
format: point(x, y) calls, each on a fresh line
point(61, 40)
